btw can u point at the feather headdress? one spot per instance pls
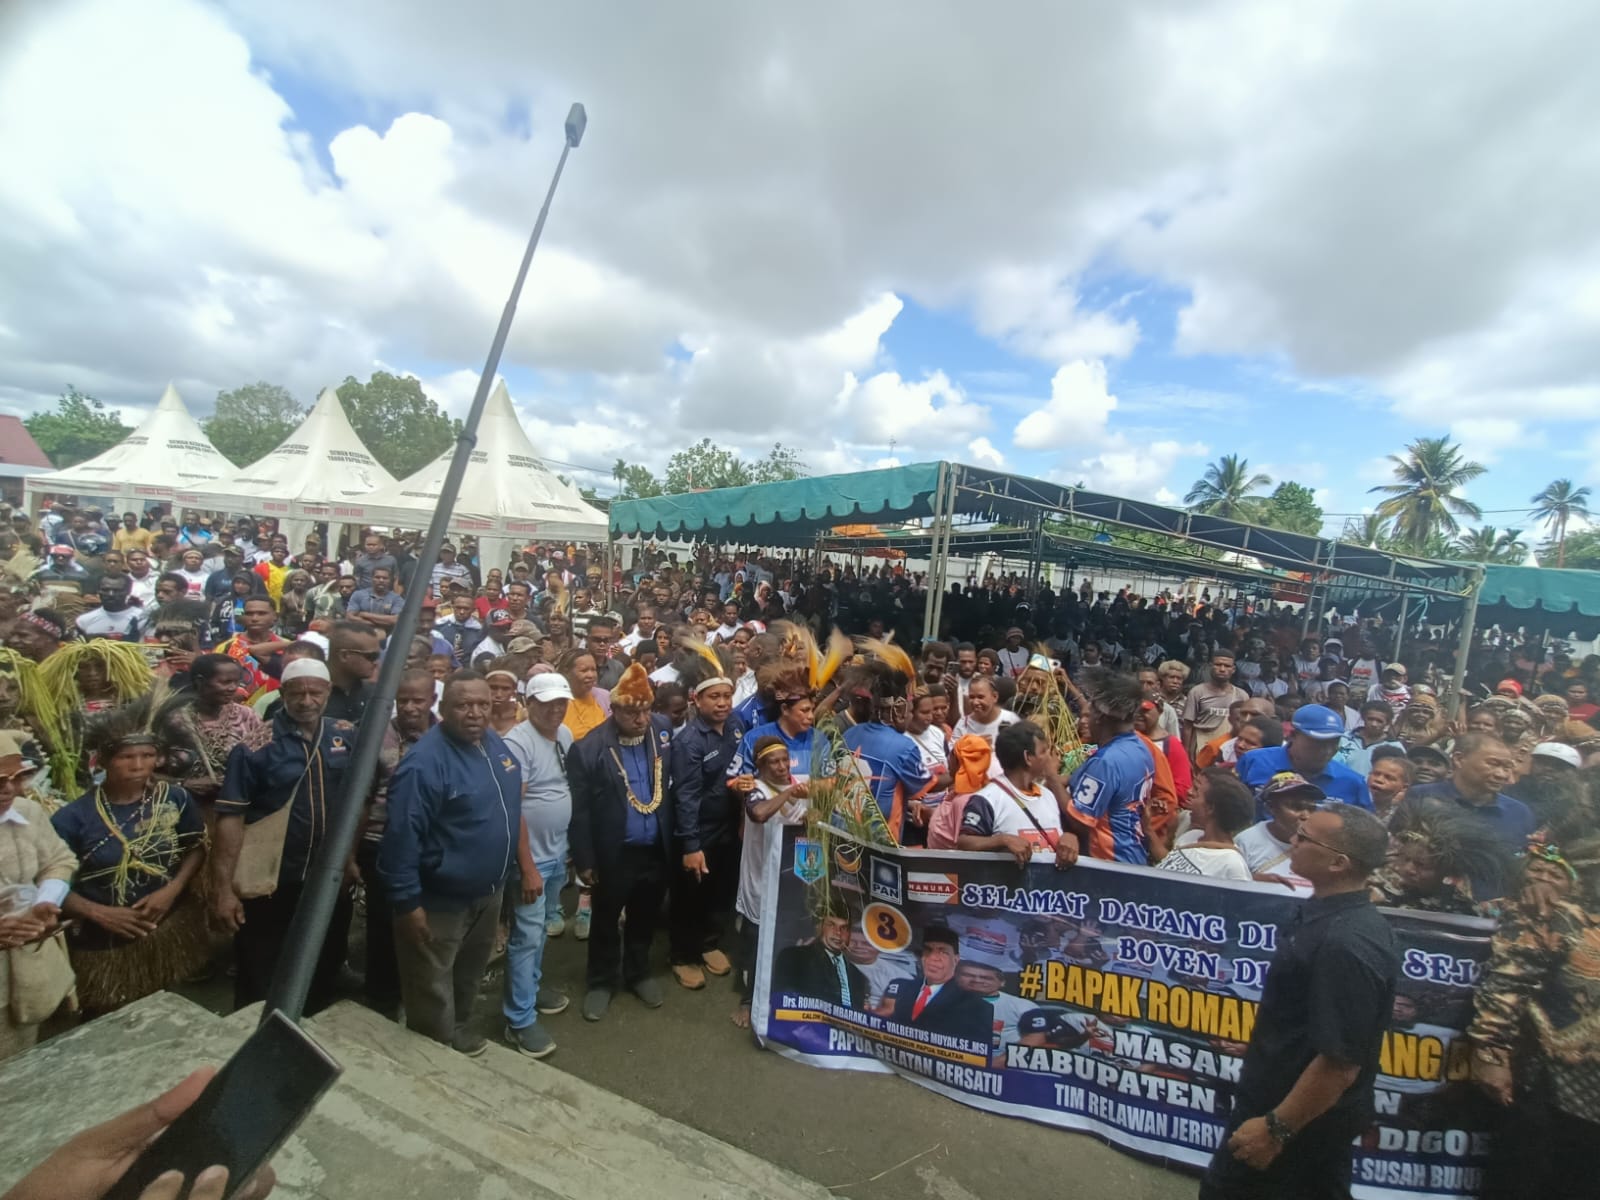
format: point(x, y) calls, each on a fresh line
point(703, 668)
point(155, 718)
point(16, 572)
point(897, 661)
point(821, 665)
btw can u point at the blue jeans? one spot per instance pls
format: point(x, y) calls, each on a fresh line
point(525, 951)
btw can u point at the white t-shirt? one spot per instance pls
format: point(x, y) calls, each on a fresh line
point(114, 626)
point(1265, 853)
point(987, 730)
point(1363, 674)
point(998, 809)
point(883, 970)
point(1014, 662)
point(194, 580)
point(934, 746)
point(1008, 1010)
point(1189, 859)
point(144, 590)
point(760, 844)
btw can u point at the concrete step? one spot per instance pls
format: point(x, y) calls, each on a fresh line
point(408, 1119)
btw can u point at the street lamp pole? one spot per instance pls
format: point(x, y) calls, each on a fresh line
point(291, 982)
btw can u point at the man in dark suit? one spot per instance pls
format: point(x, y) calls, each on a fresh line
point(819, 969)
point(621, 838)
point(933, 1000)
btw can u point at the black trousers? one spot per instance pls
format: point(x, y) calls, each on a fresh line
point(633, 887)
point(259, 945)
point(701, 905)
point(1540, 1152)
point(1315, 1165)
point(382, 987)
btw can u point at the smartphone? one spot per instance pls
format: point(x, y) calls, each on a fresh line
point(246, 1112)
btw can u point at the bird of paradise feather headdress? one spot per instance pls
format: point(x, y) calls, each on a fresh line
point(703, 669)
point(821, 664)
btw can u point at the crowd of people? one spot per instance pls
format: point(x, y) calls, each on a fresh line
point(180, 700)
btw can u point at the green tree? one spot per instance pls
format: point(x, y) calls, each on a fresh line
point(703, 466)
point(1227, 490)
point(251, 421)
point(401, 426)
point(1422, 501)
point(779, 463)
point(1293, 507)
point(1486, 544)
point(1583, 550)
point(634, 482)
point(79, 429)
point(1556, 505)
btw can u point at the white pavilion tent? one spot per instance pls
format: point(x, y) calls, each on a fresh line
point(312, 476)
point(508, 496)
point(165, 454)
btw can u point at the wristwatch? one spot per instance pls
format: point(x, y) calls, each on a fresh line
point(1280, 1132)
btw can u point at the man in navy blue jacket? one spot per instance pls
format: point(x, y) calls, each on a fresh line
point(455, 813)
point(621, 840)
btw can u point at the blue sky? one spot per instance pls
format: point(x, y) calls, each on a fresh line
point(1112, 250)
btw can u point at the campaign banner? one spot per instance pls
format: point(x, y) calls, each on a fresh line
point(1103, 998)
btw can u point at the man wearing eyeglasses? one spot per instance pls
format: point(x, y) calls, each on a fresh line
point(1305, 1087)
point(352, 662)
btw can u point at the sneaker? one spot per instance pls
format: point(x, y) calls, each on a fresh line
point(595, 1003)
point(716, 962)
point(649, 992)
point(472, 1045)
point(580, 924)
point(556, 925)
point(532, 1041)
point(689, 975)
point(550, 1002)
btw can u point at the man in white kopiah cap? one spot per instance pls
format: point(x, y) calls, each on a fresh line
point(302, 768)
point(540, 744)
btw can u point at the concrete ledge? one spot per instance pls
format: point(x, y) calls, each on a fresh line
point(408, 1119)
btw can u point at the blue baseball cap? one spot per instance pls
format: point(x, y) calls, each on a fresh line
point(1317, 721)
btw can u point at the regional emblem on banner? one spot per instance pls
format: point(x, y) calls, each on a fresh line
point(886, 884)
point(809, 861)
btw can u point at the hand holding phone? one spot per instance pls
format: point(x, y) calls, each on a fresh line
point(245, 1112)
point(85, 1167)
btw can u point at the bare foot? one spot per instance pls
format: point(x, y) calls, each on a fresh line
point(741, 1016)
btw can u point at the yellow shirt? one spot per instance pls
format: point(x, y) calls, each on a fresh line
point(131, 539)
point(584, 715)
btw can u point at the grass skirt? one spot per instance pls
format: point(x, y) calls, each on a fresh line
point(180, 947)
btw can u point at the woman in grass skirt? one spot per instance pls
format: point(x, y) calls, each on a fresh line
point(140, 842)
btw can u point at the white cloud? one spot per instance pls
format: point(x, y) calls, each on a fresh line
point(733, 241)
point(983, 451)
point(1486, 439)
point(925, 412)
point(1077, 411)
point(1036, 313)
point(1138, 471)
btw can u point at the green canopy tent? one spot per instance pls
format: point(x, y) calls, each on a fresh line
point(955, 499)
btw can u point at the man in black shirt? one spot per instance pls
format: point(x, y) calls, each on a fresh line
point(1305, 1088)
point(352, 662)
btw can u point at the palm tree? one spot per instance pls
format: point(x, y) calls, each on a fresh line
point(1422, 502)
point(1371, 531)
point(1225, 490)
point(1558, 504)
point(1486, 544)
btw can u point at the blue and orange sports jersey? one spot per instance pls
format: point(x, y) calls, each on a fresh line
point(1109, 793)
point(892, 766)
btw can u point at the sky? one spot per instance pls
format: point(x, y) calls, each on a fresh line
point(1081, 241)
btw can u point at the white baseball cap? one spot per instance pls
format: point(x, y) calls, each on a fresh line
point(1559, 751)
point(549, 686)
